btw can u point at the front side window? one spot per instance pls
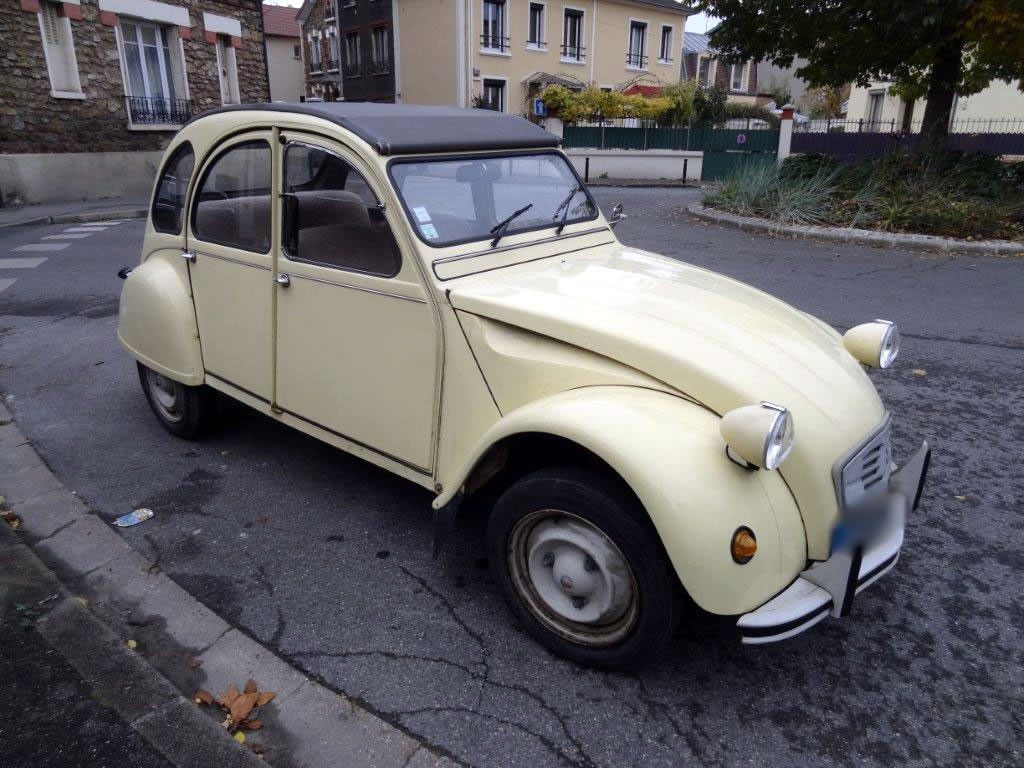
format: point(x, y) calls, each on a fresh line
point(537, 37)
point(572, 35)
point(59, 49)
point(169, 200)
point(232, 206)
point(666, 44)
point(494, 25)
point(152, 94)
point(332, 217)
point(462, 200)
point(637, 44)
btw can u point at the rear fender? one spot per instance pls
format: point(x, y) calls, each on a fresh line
point(157, 323)
point(669, 451)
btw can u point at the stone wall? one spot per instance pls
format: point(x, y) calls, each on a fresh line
point(32, 121)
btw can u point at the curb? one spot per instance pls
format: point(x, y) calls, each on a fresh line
point(75, 218)
point(95, 592)
point(860, 236)
point(643, 184)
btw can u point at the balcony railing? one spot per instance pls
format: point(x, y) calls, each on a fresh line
point(315, 67)
point(380, 67)
point(331, 65)
point(575, 52)
point(636, 60)
point(144, 110)
point(494, 42)
point(352, 70)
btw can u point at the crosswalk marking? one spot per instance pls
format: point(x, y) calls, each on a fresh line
point(98, 223)
point(4, 284)
point(43, 247)
point(84, 229)
point(21, 263)
point(65, 236)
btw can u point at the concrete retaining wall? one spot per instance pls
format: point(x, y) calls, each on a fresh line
point(68, 176)
point(637, 164)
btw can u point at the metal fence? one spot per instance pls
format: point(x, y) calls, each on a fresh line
point(631, 133)
point(966, 125)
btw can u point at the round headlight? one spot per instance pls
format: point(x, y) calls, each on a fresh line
point(758, 435)
point(875, 344)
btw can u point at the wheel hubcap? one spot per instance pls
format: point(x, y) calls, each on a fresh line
point(166, 395)
point(572, 577)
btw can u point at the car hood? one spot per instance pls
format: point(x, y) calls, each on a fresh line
point(721, 342)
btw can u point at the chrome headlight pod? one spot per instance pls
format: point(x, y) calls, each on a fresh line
point(875, 344)
point(759, 436)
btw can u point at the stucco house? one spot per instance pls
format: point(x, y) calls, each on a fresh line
point(1000, 104)
point(284, 53)
point(702, 63)
point(92, 90)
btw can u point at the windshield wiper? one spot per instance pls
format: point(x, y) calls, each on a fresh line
point(565, 204)
point(498, 230)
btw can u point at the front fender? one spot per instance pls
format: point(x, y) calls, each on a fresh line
point(157, 322)
point(669, 451)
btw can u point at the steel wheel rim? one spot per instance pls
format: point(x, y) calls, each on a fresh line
point(573, 578)
point(166, 395)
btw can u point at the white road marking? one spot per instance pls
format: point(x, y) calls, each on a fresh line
point(84, 229)
point(5, 284)
point(95, 224)
point(79, 236)
point(43, 247)
point(21, 263)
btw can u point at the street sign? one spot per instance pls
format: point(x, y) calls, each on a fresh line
point(741, 138)
point(539, 109)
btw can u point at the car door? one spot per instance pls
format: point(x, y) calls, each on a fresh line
point(357, 338)
point(231, 253)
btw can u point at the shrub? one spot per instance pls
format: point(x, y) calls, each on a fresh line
point(734, 111)
point(808, 165)
point(591, 103)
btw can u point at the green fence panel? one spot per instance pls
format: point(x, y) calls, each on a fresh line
point(697, 139)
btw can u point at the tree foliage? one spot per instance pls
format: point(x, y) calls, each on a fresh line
point(927, 48)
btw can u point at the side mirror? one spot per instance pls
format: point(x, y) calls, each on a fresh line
point(617, 216)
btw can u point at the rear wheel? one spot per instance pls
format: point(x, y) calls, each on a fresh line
point(582, 568)
point(184, 411)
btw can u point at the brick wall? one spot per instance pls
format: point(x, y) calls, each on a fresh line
point(325, 85)
point(33, 121)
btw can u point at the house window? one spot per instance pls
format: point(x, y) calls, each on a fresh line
point(379, 53)
point(314, 55)
point(332, 51)
point(227, 69)
point(493, 36)
point(352, 54)
point(666, 44)
point(494, 95)
point(739, 77)
point(59, 49)
point(537, 36)
point(704, 71)
point(297, 51)
point(572, 35)
point(637, 43)
point(875, 107)
point(153, 74)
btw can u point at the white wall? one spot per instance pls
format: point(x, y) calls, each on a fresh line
point(999, 100)
point(654, 164)
point(285, 71)
point(69, 176)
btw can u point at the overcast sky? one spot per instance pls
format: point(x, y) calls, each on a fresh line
point(699, 23)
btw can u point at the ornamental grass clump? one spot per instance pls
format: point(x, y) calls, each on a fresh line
point(762, 189)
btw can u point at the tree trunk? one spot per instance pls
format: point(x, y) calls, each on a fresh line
point(942, 84)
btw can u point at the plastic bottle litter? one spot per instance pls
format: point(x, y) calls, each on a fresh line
point(133, 518)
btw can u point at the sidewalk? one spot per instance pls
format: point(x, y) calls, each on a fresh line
point(82, 210)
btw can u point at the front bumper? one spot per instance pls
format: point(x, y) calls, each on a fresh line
point(828, 588)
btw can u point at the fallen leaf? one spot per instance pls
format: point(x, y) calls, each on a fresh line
point(204, 697)
point(252, 725)
point(82, 600)
point(960, 498)
point(193, 662)
point(11, 519)
point(240, 737)
point(250, 686)
point(265, 698)
point(229, 696)
point(919, 372)
point(131, 644)
point(242, 706)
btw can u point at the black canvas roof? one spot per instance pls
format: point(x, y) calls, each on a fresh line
point(395, 129)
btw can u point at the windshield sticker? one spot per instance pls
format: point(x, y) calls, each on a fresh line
point(428, 231)
point(421, 214)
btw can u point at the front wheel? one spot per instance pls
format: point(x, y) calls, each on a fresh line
point(583, 569)
point(182, 410)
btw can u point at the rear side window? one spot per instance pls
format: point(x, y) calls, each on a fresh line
point(232, 206)
point(332, 217)
point(169, 201)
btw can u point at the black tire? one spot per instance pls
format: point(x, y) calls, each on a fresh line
point(192, 410)
point(602, 503)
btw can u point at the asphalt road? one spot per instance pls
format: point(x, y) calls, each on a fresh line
point(327, 559)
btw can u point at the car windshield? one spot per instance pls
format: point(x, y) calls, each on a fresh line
point(461, 200)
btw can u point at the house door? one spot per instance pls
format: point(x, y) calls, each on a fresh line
point(232, 272)
point(357, 338)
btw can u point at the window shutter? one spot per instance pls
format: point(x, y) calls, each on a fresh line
point(51, 24)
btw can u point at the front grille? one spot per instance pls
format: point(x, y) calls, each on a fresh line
point(868, 470)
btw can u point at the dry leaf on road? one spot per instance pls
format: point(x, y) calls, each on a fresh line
point(238, 706)
point(919, 372)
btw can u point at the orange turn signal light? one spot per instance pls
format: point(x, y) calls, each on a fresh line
point(743, 546)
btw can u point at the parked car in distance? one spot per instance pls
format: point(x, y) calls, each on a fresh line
point(436, 291)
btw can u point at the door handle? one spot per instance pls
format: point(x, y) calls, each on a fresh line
point(283, 280)
point(189, 256)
